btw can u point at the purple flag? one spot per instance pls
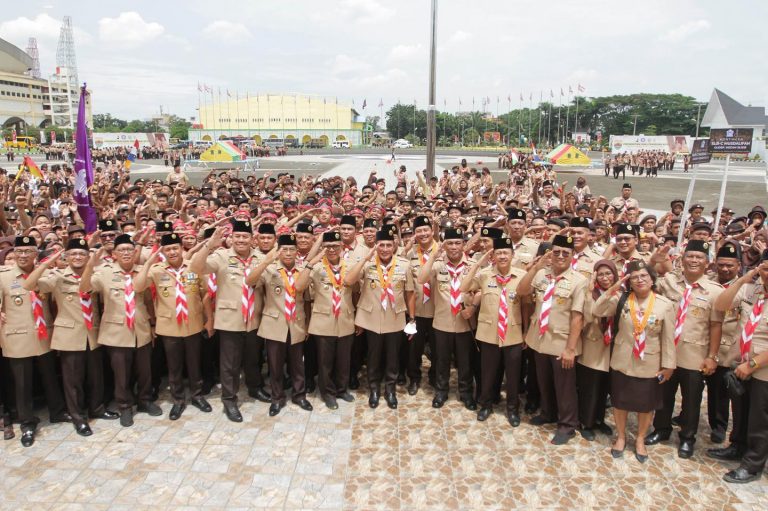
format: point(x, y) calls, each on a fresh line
point(84, 170)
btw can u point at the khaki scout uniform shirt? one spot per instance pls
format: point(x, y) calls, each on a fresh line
point(274, 326)
point(488, 318)
point(165, 304)
point(569, 296)
point(659, 337)
point(620, 203)
point(693, 346)
point(322, 321)
point(546, 203)
point(109, 281)
point(444, 320)
point(746, 298)
point(370, 314)
point(621, 262)
point(730, 350)
point(69, 330)
point(585, 262)
point(594, 353)
point(354, 254)
point(19, 327)
point(230, 271)
point(423, 310)
point(524, 252)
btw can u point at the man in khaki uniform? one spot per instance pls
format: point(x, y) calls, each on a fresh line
point(283, 321)
point(180, 318)
point(525, 248)
point(75, 335)
point(446, 268)
point(352, 249)
point(386, 285)
point(555, 334)
point(238, 311)
point(698, 329)
point(332, 322)
point(128, 338)
point(499, 327)
point(366, 242)
point(413, 348)
point(584, 259)
point(626, 247)
point(26, 341)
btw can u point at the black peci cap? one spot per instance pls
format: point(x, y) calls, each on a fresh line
point(77, 244)
point(170, 239)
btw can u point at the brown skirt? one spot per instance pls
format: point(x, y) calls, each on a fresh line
point(641, 395)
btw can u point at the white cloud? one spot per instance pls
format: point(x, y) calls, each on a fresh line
point(366, 11)
point(344, 66)
point(406, 51)
point(129, 29)
point(684, 31)
point(227, 31)
point(460, 36)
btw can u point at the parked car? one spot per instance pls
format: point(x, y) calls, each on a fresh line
point(402, 143)
point(340, 144)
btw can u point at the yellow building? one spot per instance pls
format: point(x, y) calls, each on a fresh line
point(295, 118)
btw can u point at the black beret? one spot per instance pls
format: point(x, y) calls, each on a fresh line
point(77, 244)
point(454, 234)
point(124, 239)
point(266, 229)
point(304, 228)
point(386, 234)
point(626, 185)
point(502, 243)
point(163, 226)
point(515, 214)
point(578, 221)
point(170, 239)
point(108, 225)
point(286, 239)
point(348, 220)
point(490, 232)
point(331, 236)
point(24, 241)
point(628, 229)
point(245, 226)
point(556, 221)
point(421, 221)
point(697, 246)
point(701, 226)
point(729, 250)
point(370, 222)
point(562, 241)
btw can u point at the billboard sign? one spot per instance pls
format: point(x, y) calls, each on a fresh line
point(700, 151)
point(636, 143)
point(157, 140)
point(731, 140)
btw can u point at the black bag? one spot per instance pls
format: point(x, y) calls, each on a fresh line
point(734, 385)
point(617, 315)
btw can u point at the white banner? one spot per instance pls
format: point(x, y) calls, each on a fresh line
point(634, 143)
point(102, 140)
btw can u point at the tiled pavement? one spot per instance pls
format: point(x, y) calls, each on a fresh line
point(352, 458)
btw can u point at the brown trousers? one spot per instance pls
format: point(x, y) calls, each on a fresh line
point(239, 350)
point(333, 356)
point(447, 346)
point(277, 353)
point(124, 361)
point(23, 379)
point(558, 392)
point(383, 352)
point(757, 428)
point(181, 351)
point(78, 369)
point(491, 357)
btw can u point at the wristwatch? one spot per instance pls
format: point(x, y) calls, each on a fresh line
point(715, 358)
point(753, 364)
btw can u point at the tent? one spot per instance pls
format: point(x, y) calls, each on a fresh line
point(566, 154)
point(223, 150)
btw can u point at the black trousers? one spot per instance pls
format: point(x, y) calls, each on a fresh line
point(333, 357)
point(78, 370)
point(691, 385)
point(210, 358)
point(310, 359)
point(359, 351)
point(740, 410)
point(491, 358)
point(383, 352)
point(253, 359)
point(717, 400)
point(558, 392)
point(232, 349)
point(181, 352)
point(124, 362)
point(412, 351)
point(757, 428)
point(277, 353)
point(592, 387)
point(528, 373)
point(22, 370)
point(448, 345)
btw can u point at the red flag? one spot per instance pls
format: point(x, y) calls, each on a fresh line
point(136, 144)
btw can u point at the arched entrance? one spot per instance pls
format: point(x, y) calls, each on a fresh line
point(306, 139)
point(257, 139)
point(324, 138)
point(273, 136)
point(207, 138)
point(222, 137)
point(340, 137)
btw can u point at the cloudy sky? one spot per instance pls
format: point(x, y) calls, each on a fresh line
point(139, 55)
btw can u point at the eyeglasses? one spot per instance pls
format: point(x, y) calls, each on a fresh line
point(624, 239)
point(640, 278)
point(108, 235)
point(561, 253)
point(124, 250)
point(332, 247)
point(25, 251)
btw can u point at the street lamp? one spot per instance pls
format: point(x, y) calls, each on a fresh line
point(431, 101)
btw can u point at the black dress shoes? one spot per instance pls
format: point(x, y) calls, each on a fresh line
point(149, 408)
point(401, 379)
point(737, 476)
point(126, 418)
point(514, 419)
point(562, 437)
point(346, 396)
point(176, 411)
point(201, 404)
point(260, 395)
point(275, 408)
point(540, 420)
point(330, 403)
point(62, 417)
point(588, 434)
point(373, 399)
point(685, 450)
point(438, 401)
point(354, 382)
point(676, 420)
point(304, 404)
point(605, 429)
point(470, 404)
point(413, 388)
point(233, 412)
point(531, 407)
point(656, 437)
point(27, 438)
point(106, 415)
point(730, 453)
point(391, 399)
point(484, 413)
point(717, 436)
point(83, 429)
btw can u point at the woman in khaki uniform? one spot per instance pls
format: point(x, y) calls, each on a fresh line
point(643, 355)
point(592, 380)
point(496, 283)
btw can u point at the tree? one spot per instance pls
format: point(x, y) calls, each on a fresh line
point(179, 127)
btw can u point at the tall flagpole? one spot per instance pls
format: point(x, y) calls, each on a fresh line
point(431, 97)
point(237, 110)
point(530, 110)
point(549, 117)
point(520, 120)
point(538, 137)
point(567, 113)
point(248, 107)
point(559, 106)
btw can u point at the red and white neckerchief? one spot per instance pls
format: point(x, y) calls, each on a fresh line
point(130, 301)
point(455, 272)
point(385, 282)
point(426, 288)
point(546, 304)
point(639, 322)
point(37, 314)
point(300, 258)
point(503, 320)
point(346, 251)
point(289, 284)
point(182, 310)
point(336, 276)
point(745, 341)
point(86, 305)
point(212, 286)
point(248, 305)
point(575, 260)
point(682, 310)
point(606, 324)
point(156, 248)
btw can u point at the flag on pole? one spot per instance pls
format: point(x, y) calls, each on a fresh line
point(521, 96)
point(30, 167)
point(199, 87)
point(551, 94)
point(509, 98)
point(570, 90)
point(228, 94)
point(530, 96)
point(581, 89)
point(365, 103)
point(561, 92)
point(84, 169)
point(381, 102)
